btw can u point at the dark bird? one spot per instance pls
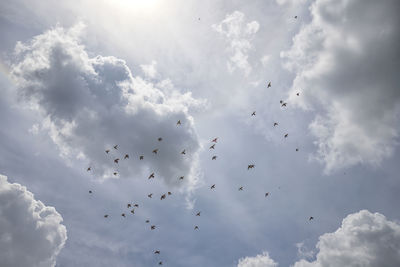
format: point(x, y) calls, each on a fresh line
point(181, 178)
point(286, 135)
point(311, 218)
point(295, 17)
point(141, 157)
point(115, 173)
point(212, 147)
point(157, 252)
point(266, 194)
point(179, 122)
point(298, 94)
point(107, 151)
point(183, 152)
point(214, 140)
point(297, 149)
point(241, 188)
point(151, 175)
point(116, 160)
point(198, 214)
point(169, 193)
point(106, 216)
point(275, 124)
point(150, 195)
point(147, 221)
point(126, 156)
point(251, 166)
point(213, 186)
point(214, 158)
point(196, 228)
point(152, 227)
point(163, 197)
point(129, 205)
point(159, 139)
point(284, 104)
point(281, 101)
point(160, 263)
point(253, 114)
point(88, 169)
point(155, 151)
point(133, 211)
point(136, 205)
point(116, 147)
point(90, 191)
point(269, 85)
point(123, 215)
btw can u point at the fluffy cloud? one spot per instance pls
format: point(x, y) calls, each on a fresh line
point(346, 64)
point(91, 104)
point(238, 34)
point(31, 234)
point(261, 260)
point(364, 239)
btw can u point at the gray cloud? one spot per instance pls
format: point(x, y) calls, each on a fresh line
point(364, 239)
point(90, 104)
point(31, 234)
point(261, 260)
point(346, 64)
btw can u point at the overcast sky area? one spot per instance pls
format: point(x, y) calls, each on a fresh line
point(76, 80)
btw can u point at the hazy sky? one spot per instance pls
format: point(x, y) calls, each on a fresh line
point(75, 80)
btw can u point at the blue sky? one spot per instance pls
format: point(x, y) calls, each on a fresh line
point(77, 79)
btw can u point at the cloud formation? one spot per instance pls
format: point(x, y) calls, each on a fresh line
point(364, 239)
point(346, 65)
point(31, 234)
point(261, 260)
point(91, 104)
point(238, 34)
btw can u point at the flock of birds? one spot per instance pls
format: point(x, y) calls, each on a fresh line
point(131, 207)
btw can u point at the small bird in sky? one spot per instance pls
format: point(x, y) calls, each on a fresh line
point(129, 205)
point(198, 214)
point(155, 151)
point(88, 169)
point(169, 193)
point(123, 215)
point(157, 252)
point(133, 211)
point(298, 94)
point(152, 227)
point(297, 149)
point(214, 140)
point(147, 221)
point(136, 205)
point(281, 101)
point(150, 195)
point(241, 188)
point(214, 158)
point(253, 114)
point(179, 122)
point(160, 263)
point(284, 104)
point(115, 173)
point(275, 124)
point(107, 151)
point(163, 197)
point(269, 85)
point(141, 157)
point(106, 216)
point(212, 147)
point(311, 218)
point(183, 152)
point(159, 139)
point(286, 135)
point(266, 194)
point(116, 147)
point(181, 178)
point(295, 17)
point(213, 186)
point(196, 228)
point(250, 166)
point(126, 156)
point(90, 191)
point(151, 175)
point(116, 160)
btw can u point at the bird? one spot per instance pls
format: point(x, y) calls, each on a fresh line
point(116, 147)
point(141, 157)
point(250, 166)
point(298, 94)
point(269, 85)
point(183, 152)
point(163, 197)
point(275, 124)
point(129, 205)
point(241, 188)
point(126, 156)
point(214, 140)
point(136, 205)
point(214, 158)
point(151, 175)
point(157, 252)
point(213, 186)
point(115, 173)
point(253, 114)
point(150, 195)
point(160, 263)
point(266, 194)
point(155, 151)
point(106, 216)
point(123, 214)
point(286, 135)
point(116, 160)
point(281, 101)
point(311, 218)
point(152, 227)
point(297, 149)
point(169, 193)
point(181, 178)
point(147, 221)
point(88, 169)
point(107, 151)
point(196, 228)
point(90, 191)
point(159, 139)
point(133, 211)
point(179, 122)
point(198, 214)
point(295, 17)
point(284, 104)
point(212, 147)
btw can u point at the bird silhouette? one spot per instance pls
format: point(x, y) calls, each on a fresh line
point(147, 221)
point(123, 215)
point(181, 178)
point(136, 205)
point(150, 195)
point(169, 193)
point(281, 101)
point(116, 147)
point(160, 263)
point(183, 152)
point(196, 228)
point(152, 227)
point(162, 196)
point(90, 191)
point(157, 252)
point(214, 158)
point(298, 94)
point(269, 85)
point(198, 214)
point(275, 124)
point(115, 173)
point(284, 104)
point(141, 157)
point(297, 149)
point(151, 175)
point(250, 166)
point(133, 211)
point(241, 188)
point(213, 186)
point(295, 17)
point(253, 114)
point(214, 140)
point(311, 218)
point(126, 156)
point(129, 205)
point(116, 160)
point(286, 135)
point(107, 151)
point(106, 216)
point(88, 169)
point(159, 139)
point(179, 122)
point(212, 147)
point(155, 151)
point(266, 194)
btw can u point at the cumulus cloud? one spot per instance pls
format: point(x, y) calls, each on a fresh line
point(238, 34)
point(261, 260)
point(31, 234)
point(150, 69)
point(364, 239)
point(346, 66)
point(90, 104)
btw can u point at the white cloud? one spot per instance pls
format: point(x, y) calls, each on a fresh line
point(346, 65)
point(91, 104)
point(261, 260)
point(31, 234)
point(364, 239)
point(150, 69)
point(238, 34)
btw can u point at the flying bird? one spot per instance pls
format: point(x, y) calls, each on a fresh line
point(88, 169)
point(284, 104)
point(214, 158)
point(275, 124)
point(123, 215)
point(163, 197)
point(160, 263)
point(155, 151)
point(212, 147)
point(129, 205)
point(266, 194)
point(196, 228)
point(179, 122)
point(147, 221)
point(250, 166)
point(253, 114)
point(152, 227)
point(298, 94)
point(286, 135)
point(183, 152)
point(213, 186)
point(311, 218)
point(150, 195)
point(116, 160)
point(136, 205)
point(115, 173)
point(169, 193)
point(90, 191)
point(157, 252)
point(126, 156)
point(198, 214)
point(151, 175)
point(159, 139)
point(297, 149)
point(141, 157)
point(116, 147)
point(181, 178)
point(133, 211)
point(107, 151)
point(241, 188)
point(295, 17)
point(281, 101)
point(106, 216)
point(269, 85)
point(214, 140)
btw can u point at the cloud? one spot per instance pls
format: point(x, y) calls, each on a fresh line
point(150, 69)
point(89, 104)
point(238, 34)
point(261, 260)
point(347, 66)
point(31, 234)
point(364, 239)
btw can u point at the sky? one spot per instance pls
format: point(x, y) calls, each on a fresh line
point(78, 79)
